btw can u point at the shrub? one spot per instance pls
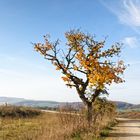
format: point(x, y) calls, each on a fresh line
point(18, 111)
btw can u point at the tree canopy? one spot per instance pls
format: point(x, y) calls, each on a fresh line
point(86, 64)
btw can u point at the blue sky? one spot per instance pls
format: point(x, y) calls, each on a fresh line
point(24, 73)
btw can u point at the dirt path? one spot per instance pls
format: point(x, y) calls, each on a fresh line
point(127, 129)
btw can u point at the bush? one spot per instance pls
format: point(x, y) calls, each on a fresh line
point(104, 114)
point(18, 111)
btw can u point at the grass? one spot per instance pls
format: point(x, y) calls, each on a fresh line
point(129, 114)
point(18, 129)
point(49, 126)
point(18, 111)
point(104, 133)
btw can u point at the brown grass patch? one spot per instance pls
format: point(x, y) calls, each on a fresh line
point(18, 111)
point(63, 125)
point(129, 114)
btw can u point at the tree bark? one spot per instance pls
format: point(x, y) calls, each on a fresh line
point(89, 113)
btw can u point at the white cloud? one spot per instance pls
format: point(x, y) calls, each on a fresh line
point(130, 13)
point(127, 11)
point(131, 42)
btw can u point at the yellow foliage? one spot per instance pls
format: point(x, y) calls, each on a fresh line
point(65, 78)
point(57, 68)
point(75, 67)
point(89, 57)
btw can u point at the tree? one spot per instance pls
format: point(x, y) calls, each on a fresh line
point(85, 64)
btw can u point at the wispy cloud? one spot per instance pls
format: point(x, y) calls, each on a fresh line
point(130, 13)
point(127, 11)
point(132, 42)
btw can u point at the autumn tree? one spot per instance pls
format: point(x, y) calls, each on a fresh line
point(86, 64)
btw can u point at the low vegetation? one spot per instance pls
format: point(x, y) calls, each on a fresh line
point(132, 114)
point(63, 125)
point(18, 111)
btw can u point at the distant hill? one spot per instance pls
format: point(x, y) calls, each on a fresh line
point(123, 105)
point(26, 102)
point(53, 104)
point(135, 107)
point(38, 103)
point(49, 104)
point(10, 100)
point(34, 103)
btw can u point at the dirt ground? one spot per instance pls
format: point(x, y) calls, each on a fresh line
point(127, 129)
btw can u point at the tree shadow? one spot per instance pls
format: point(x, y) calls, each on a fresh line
point(135, 126)
point(129, 121)
point(124, 135)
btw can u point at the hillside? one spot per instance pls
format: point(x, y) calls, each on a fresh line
point(10, 100)
point(53, 104)
point(123, 105)
point(34, 103)
point(136, 107)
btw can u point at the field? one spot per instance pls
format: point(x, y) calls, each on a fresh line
point(52, 126)
point(132, 114)
point(47, 126)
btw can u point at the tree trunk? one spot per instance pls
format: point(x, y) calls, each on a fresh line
point(89, 113)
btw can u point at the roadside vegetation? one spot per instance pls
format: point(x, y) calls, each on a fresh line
point(132, 114)
point(65, 125)
point(18, 111)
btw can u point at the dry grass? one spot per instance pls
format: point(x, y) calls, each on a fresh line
point(129, 114)
point(55, 126)
point(67, 127)
point(18, 129)
point(48, 126)
point(18, 111)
